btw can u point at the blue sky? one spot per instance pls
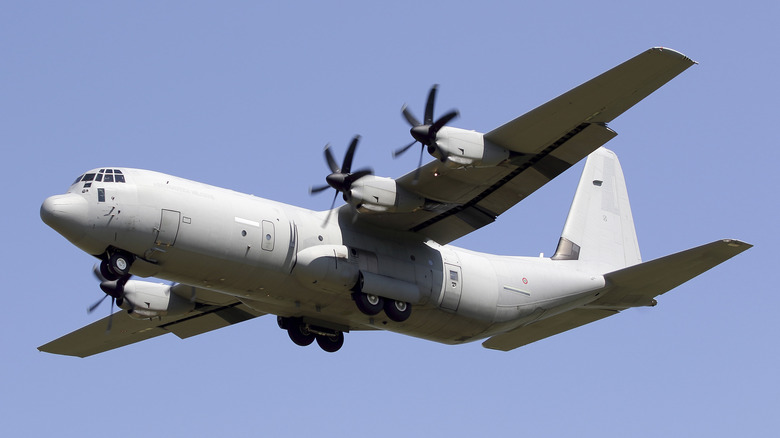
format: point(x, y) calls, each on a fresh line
point(244, 96)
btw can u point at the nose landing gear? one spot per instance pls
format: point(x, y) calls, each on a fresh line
point(116, 265)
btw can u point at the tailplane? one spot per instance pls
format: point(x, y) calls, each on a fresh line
point(600, 227)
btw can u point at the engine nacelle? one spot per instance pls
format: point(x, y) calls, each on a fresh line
point(460, 148)
point(145, 300)
point(378, 194)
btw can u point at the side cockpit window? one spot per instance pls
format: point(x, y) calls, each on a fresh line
point(88, 178)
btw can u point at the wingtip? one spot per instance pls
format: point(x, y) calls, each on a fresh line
point(734, 243)
point(676, 53)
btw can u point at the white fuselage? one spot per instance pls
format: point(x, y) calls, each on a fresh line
point(291, 262)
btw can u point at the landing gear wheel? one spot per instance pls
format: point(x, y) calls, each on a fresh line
point(300, 334)
point(368, 304)
point(119, 263)
point(331, 343)
point(106, 272)
point(398, 311)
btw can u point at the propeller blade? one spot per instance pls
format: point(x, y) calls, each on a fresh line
point(334, 167)
point(429, 105)
point(97, 273)
point(444, 120)
point(332, 204)
point(419, 166)
point(347, 166)
point(110, 316)
point(409, 116)
point(313, 190)
point(95, 306)
point(400, 151)
point(358, 174)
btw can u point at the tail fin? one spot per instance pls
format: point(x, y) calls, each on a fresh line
point(600, 227)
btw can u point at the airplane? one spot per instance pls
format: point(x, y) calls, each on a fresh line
point(383, 259)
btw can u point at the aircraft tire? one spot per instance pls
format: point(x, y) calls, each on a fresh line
point(332, 343)
point(119, 263)
point(300, 335)
point(106, 271)
point(368, 304)
point(397, 311)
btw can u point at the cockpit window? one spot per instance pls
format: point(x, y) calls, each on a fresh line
point(103, 175)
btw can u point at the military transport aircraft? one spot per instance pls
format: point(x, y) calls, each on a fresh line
point(382, 260)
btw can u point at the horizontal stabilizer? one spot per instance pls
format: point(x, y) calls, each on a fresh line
point(629, 287)
point(637, 285)
point(545, 328)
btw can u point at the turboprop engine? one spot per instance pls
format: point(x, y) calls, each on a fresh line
point(458, 148)
point(145, 300)
point(378, 194)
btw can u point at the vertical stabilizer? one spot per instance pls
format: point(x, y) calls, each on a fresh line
point(600, 227)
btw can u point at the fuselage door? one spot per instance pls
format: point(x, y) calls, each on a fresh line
point(452, 287)
point(169, 228)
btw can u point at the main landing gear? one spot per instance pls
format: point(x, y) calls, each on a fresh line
point(398, 311)
point(304, 334)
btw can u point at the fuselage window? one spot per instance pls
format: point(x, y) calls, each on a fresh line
point(101, 195)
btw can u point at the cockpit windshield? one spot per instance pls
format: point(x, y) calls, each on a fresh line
point(103, 175)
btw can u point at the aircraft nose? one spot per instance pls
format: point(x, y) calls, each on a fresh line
point(66, 214)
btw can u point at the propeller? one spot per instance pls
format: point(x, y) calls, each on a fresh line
point(112, 288)
point(342, 177)
point(425, 132)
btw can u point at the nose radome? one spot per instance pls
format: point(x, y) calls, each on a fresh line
point(66, 214)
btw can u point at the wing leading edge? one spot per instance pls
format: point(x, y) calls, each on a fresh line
point(544, 143)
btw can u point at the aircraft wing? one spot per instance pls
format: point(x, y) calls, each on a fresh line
point(95, 338)
point(545, 141)
point(634, 286)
